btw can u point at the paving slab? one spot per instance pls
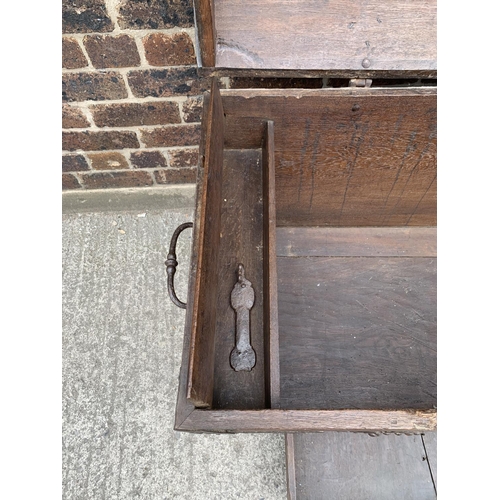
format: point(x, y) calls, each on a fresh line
point(122, 342)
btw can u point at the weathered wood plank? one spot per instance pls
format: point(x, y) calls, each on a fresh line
point(241, 241)
point(344, 157)
point(324, 93)
point(357, 332)
point(290, 466)
point(347, 35)
point(204, 14)
point(360, 467)
point(338, 73)
point(208, 223)
point(270, 272)
point(356, 241)
point(413, 421)
point(184, 407)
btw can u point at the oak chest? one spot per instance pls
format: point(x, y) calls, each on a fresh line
point(312, 295)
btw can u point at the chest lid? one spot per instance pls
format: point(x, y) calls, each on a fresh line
point(345, 38)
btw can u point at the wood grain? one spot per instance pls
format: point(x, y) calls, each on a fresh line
point(344, 157)
point(204, 15)
point(291, 481)
point(357, 332)
point(201, 356)
point(241, 241)
point(349, 158)
point(294, 73)
point(360, 467)
point(184, 407)
point(270, 272)
point(356, 241)
point(309, 421)
point(326, 35)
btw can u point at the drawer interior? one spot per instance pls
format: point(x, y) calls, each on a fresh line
point(358, 330)
point(328, 199)
point(241, 241)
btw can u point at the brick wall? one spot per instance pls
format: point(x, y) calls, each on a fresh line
point(131, 95)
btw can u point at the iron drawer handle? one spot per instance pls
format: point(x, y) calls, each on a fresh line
point(171, 264)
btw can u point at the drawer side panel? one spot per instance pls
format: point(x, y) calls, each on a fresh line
point(202, 344)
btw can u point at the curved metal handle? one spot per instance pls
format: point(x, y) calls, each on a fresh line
point(171, 264)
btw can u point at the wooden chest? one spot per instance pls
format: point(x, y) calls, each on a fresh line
point(326, 200)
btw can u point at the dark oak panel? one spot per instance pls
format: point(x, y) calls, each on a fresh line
point(208, 222)
point(307, 73)
point(241, 241)
point(357, 332)
point(204, 13)
point(270, 290)
point(356, 241)
point(411, 421)
point(333, 465)
point(344, 157)
point(184, 407)
point(326, 35)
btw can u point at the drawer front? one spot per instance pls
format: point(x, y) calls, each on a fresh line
point(328, 200)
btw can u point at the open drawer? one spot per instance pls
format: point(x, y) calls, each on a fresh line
point(328, 199)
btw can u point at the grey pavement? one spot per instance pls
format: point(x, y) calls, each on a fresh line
point(122, 340)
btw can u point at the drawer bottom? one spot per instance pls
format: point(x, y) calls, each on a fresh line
point(357, 332)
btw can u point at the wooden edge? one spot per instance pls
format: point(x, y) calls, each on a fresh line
point(270, 271)
point(370, 421)
point(291, 483)
point(200, 376)
point(209, 71)
point(183, 406)
point(194, 293)
point(356, 241)
point(205, 30)
point(329, 93)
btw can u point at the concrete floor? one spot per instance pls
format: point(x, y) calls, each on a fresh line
point(122, 341)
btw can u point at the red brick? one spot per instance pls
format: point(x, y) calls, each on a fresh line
point(74, 163)
point(155, 14)
point(93, 86)
point(148, 159)
point(132, 178)
point(73, 117)
point(108, 161)
point(106, 51)
point(97, 141)
point(132, 114)
point(181, 158)
point(173, 176)
point(167, 82)
point(192, 109)
point(69, 181)
point(169, 50)
point(177, 135)
point(72, 54)
point(85, 16)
